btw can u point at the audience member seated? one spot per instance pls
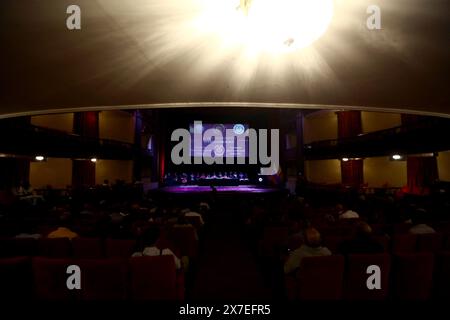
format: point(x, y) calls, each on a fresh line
point(190, 213)
point(183, 223)
point(62, 232)
point(345, 212)
point(149, 239)
point(363, 242)
point(419, 225)
point(311, 248)
point(28, 233)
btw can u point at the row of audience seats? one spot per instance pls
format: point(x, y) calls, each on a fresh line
point(182, 241)
point(137, 278)
point(88, 248)
point(404, 276)
point(275, 239)
point(399, 243)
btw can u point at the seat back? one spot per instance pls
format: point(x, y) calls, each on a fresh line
point(442, 276)
point(356, 276)
point(183, 238)
point(15, 279)
point(103, 279)
point(153, 278)
point(413, 273)
point(13, 247)
point(54, 247)
point(119, 248)
point(320, 278)
point(87, 248)
point(430, 242)
point(404, 243)
point(274, 239)
point(50, 279)
point(333, 242)
point(384, 241)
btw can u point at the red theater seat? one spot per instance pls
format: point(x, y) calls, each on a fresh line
point(103, 279)
point(54, 247)
point(378, 229)
point(404, 243)
point(50, 279)
point(356, 276)
point(413, 273)
point(401, 227)
point(446, 242)
point(184, 239)
point(442, 276)
point(320, 278)
point(384, 241)
point(333, 242)
point(13, 247)
point(274, 238)
point(119, 248)
point(431, 242)
point(15, 279)
point(153, 278)
point(87, 248)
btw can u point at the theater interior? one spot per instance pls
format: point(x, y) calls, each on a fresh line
point(357, 208)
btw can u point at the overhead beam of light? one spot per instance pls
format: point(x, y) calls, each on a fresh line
point(267, 25)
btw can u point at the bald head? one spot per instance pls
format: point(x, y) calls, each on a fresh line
point(312, 237)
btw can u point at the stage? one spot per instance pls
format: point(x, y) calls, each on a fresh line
point(219, 189)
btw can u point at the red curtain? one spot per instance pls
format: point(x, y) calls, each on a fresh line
point(352, 173)
point(83, 173)
point(162, 162)
point(421, 173)
point(349, 124)
point(85, 124)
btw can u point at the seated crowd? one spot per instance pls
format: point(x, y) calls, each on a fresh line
point(293, 237)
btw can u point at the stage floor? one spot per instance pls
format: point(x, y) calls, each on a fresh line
point(221, 189)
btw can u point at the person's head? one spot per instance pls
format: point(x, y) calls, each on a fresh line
point(150, 236)
point(363, 229)
point(312, 237)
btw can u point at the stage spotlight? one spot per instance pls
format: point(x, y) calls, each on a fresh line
point(345, 159)
point(260, 179)
point(94, 160)
point(39, 158)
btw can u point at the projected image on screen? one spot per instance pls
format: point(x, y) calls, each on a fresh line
point(227, 147)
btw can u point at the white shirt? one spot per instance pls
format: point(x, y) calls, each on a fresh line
point(195, 214)
point(349, 214)
point(155, 251)
point(421, 229)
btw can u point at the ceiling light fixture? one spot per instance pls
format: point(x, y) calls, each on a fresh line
point(269, 25)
